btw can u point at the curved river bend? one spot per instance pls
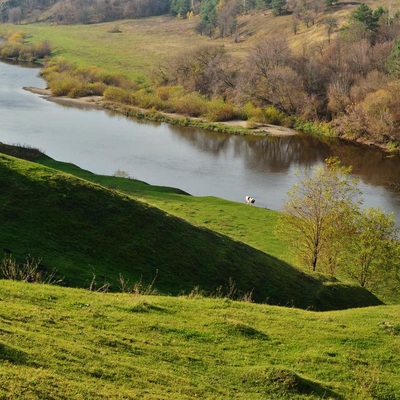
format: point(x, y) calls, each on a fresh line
point(199, 162)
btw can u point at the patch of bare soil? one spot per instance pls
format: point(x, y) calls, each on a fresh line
point(81, 102)
point(268, 129)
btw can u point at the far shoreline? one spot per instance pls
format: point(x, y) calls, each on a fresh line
point(99, 103)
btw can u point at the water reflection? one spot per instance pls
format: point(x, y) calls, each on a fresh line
point(271, 155)
point(197, 161)
point(264, 154)
point(279, 154)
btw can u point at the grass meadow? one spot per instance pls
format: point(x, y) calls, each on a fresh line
point(140, 47)
point(63, 343)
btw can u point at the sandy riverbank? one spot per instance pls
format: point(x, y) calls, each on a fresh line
point(98, 102)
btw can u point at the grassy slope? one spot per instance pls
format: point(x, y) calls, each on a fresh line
point(82, 228)
point(254, 226)
point(64, 343)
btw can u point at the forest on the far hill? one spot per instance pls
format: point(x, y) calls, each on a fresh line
point(92, 11)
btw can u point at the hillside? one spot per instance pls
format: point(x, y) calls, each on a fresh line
point(63, 343)
point(86, 231)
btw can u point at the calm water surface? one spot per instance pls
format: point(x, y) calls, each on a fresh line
point(199, 162)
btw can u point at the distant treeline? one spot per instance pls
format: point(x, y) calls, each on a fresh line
point(213, 14)
point(80, 11)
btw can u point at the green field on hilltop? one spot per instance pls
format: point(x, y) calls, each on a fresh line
point(68, 343)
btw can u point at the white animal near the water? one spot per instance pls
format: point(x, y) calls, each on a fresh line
point(250, 200)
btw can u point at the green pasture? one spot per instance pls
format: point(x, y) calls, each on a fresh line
point(135, 52)
point(62, 343)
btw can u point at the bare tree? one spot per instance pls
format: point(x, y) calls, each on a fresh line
point(268, 53)
point(331, 24)
point(226, 17)
point(207, 69)
point(15, 15)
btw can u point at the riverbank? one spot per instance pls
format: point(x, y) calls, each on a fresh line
point(236, 127)
point(98, 102)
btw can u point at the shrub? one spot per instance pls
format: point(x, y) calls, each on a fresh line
point(30, 270)
point(219, 110)
point(16, 37)
point(192, 104)
point(112, 79)
point(314, 128)
point(11, 50)
point(42, 50)
point(57, 66)
point(15, 48)
point(80, 89)
point(274, 116)
point(97, 88)
point(169, 92)
point(119, 95)
point(145, 99)
point(26, 54)
point(88, 74)
point(253, 113)
point(61, 86)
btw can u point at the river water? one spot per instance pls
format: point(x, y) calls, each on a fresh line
point(199, 162)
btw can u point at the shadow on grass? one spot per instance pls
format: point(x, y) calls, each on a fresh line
point(77, 223)
point(284, 383)
point(12, 355)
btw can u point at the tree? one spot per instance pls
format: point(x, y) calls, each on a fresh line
point(393, 62)
point(208, 15)
point(278, 7)
point(180, 7)
point(226, 16)
point(317, 209)
point(365, 15)
point(331, 25)
point(374, 247)
point(268, 53)
point(15, 15)
point(206, 69)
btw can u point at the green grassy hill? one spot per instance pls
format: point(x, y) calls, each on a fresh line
point(61, 343)
point(84, 230)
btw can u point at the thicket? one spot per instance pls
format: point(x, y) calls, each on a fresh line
point(347, 86)
point(15, 48)
point(327, 228)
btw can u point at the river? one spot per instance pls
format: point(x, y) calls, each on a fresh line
point(199, 162)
